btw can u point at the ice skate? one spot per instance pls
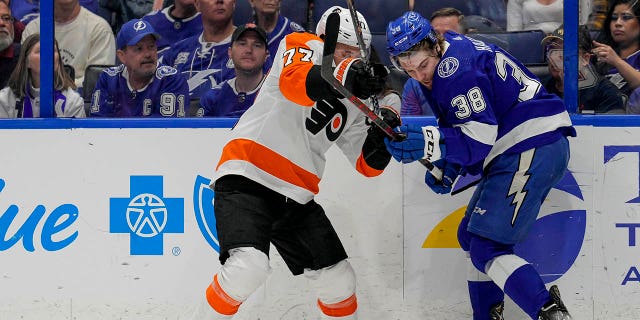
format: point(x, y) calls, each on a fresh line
point(496, 311)
point(555, 309)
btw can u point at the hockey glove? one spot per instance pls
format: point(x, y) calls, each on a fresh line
point(421, 143)
point(374, 149)
point(450, 172)
point(354, 76)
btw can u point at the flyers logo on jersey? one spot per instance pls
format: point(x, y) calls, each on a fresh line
point(331, 115)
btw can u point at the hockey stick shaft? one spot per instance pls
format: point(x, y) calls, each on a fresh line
point(364, 54)
point(326, 70)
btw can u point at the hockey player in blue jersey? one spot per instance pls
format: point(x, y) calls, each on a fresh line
point(233, 97)
point(495, 118)
point(140, 86)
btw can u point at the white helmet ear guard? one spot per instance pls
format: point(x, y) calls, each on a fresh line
point(347, 33)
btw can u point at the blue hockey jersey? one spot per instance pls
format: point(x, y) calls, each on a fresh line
point(204, 64)
point(226, 101)
point(487, 103)
point(166, 95)
point(172, 29)
point(284, 26)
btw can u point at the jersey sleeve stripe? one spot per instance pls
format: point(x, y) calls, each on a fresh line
point(296, 66)
point(365, 169)
point(271, 162)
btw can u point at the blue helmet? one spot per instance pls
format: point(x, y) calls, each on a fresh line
point(406, 31)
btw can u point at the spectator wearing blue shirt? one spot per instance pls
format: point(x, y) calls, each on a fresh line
point(233, 97)
point(267, 16)
point(140, 86)
point(176, 22)
point(203, 59)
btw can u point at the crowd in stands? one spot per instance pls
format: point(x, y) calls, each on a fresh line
point(209, 58)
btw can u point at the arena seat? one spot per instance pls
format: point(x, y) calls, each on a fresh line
point(379, 43)
point(523, 45)
point(91, 76)
point(495, 10)
point(378, 13)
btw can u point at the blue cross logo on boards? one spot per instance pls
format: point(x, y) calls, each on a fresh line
point(146, 215)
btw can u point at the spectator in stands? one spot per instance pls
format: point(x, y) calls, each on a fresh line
point(21, 98)
point(233, 97)
point(447, 18)
point(618, 50)
point(176, 22)
point(139, 86)
point(596, 93)
point(204, 58)
point(267, 16)
point(8, 48)
point(84, 37)
point(27, 10)
point(545, 15)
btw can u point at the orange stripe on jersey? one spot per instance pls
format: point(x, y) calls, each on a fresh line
point(365, 169)
point(271, 162)
point(341, 309)
point(220, 300)
point(296, 65)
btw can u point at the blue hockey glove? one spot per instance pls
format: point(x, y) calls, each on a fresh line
point(450, 172)
point(421, 143)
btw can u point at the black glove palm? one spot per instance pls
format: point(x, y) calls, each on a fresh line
point(364, 84)
point(374, 149)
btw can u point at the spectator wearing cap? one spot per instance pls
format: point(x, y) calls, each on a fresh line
point(84, 37)
point(203, 59)
point(140, 86)
point(9, 50)
point(267, 16)
point(596, 94)
point(233, 97)
point(176, 22)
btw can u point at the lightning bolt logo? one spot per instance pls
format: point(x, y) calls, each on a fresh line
point(518, 182)
point(201, 77)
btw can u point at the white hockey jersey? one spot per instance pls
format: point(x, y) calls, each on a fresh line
point(281, 141)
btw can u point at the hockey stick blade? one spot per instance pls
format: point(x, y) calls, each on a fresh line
point(326, 70)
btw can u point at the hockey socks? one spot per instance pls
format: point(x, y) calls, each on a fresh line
point(520, 281)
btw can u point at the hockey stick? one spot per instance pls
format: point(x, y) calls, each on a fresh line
point(326, 70)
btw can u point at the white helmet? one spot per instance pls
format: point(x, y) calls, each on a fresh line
point(346, 34)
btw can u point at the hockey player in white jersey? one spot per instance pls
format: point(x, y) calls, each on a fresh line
point(270, 169)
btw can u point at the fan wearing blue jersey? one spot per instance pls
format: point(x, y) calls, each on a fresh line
point(176, 22)
point(248, 52)
point(267, 15)
point(203, 59)
point(495, 119)
point(140, 86)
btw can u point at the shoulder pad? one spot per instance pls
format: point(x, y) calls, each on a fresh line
point(164, 71)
